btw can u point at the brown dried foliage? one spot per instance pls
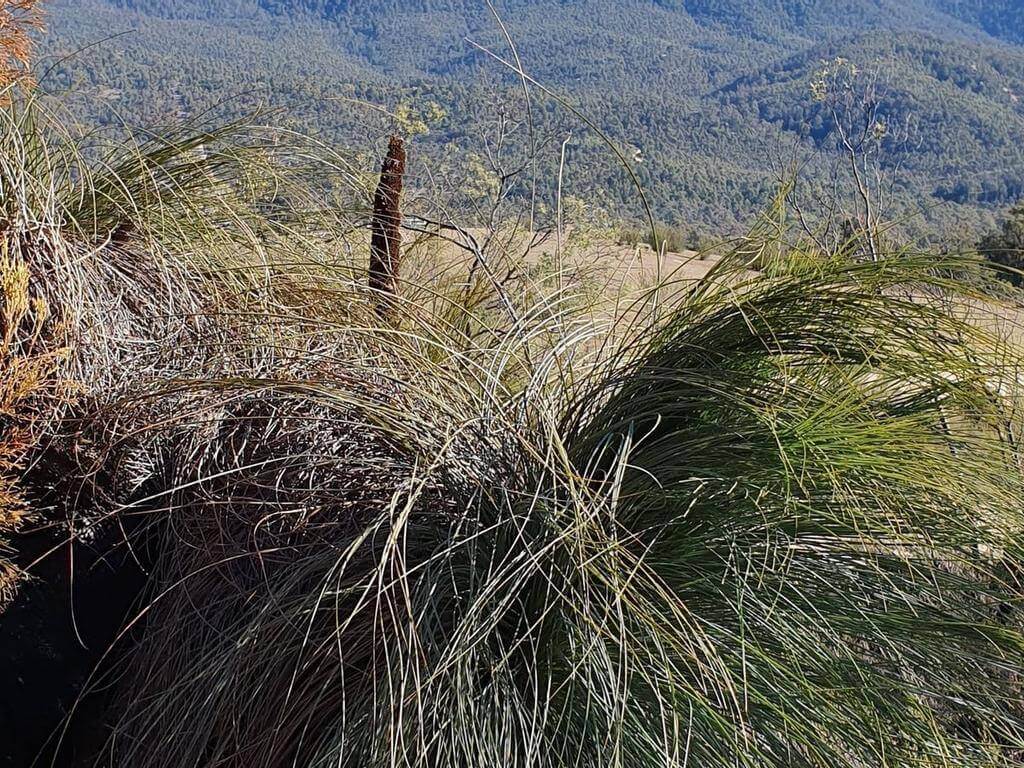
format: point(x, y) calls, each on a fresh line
point(386, 243)
point(29, 389)
point(18, 19)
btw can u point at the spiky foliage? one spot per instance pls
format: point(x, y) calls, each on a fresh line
point(775, 521)
point(119, 274)
point(34, 371)
point(780, 527)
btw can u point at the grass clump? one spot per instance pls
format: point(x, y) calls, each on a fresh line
point(780, 526)
point(34, 376)
point(663, 238)
point(775, 520)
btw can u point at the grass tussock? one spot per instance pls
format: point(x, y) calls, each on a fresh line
point(774, 521)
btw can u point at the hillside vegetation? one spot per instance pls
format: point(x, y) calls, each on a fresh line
point(711, 99)
point(294, 479)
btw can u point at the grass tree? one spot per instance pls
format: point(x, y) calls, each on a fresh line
point(782, 526)
point(776, 522)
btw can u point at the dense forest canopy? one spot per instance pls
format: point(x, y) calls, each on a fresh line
point(710, 99)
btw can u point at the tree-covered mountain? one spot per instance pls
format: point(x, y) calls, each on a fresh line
point(711, 99)
point(763, 19)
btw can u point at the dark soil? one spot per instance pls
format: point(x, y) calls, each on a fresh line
point(59, 626)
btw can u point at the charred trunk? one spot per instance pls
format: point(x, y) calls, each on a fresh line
point(386, 243)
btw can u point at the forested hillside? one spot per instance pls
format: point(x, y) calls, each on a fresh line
point(711, 100)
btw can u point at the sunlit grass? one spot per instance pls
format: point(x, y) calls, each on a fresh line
point(760, 518)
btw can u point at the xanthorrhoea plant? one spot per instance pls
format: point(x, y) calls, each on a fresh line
point(781, 527)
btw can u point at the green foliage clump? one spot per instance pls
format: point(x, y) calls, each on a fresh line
point(1006, 247)
point(777, 522)
point(671, 239)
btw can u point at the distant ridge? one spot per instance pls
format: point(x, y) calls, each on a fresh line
point(710, 93)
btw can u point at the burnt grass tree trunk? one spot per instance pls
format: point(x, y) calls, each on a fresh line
point(386, 243)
